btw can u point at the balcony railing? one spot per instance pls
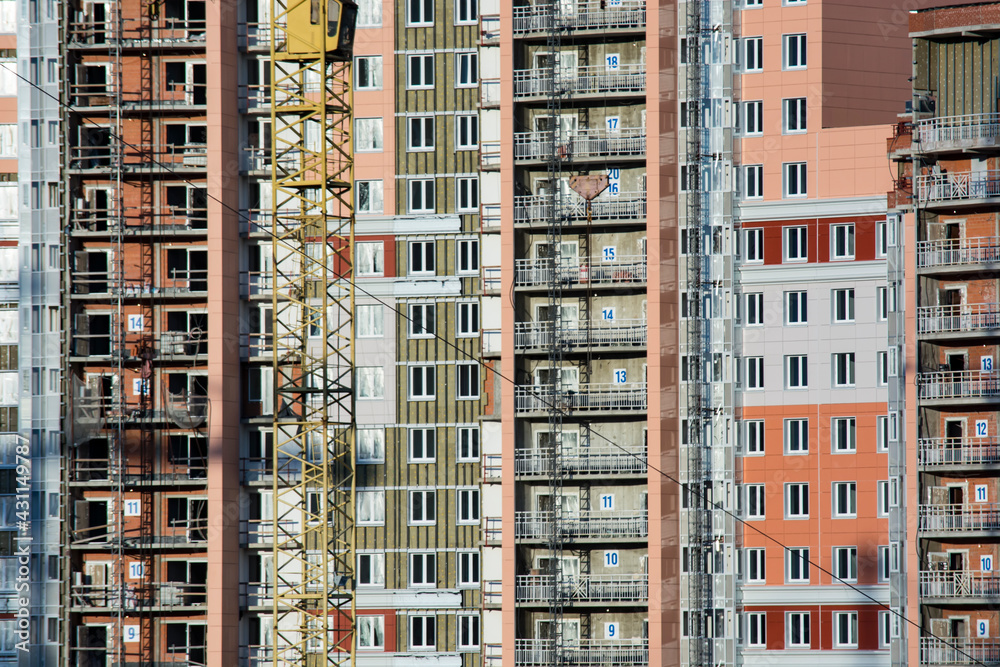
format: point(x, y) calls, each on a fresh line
point(629, 78)
point(254, 35)
point(585, 397)
point(963, 318)
point(140, 157)
point(600, 15)
point(958, 186)
point(959, 584)
point(489, 29)
point(489, 155)
point(958, 451)
point(936, 651)
point(160, 220)
point(583, 271)
point(981, 130)
point(600, 333)
point(958, 384)
point(103, 470)
point(593, 459)
point(178, 282)
point(628, 141)
point(168, 32)
point(581, 652)
point(144, 596)
point(958, 252)
point(582, 524)
point(583, 588)
point(959, 518)
point(537, 209)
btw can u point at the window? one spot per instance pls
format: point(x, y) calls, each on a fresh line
point(756, 573)
point(755, 373)
point(368, 259)
point(796, 244)
point(421, 258)
point(755, 501)
point(468, 568)
point(423, 508)
point(753, 54)
point(371, 508)
point(753, 242)
point(843, 305)
point(843, 434)
point(793, 51)
point(468, 443)
point(756, 630)
point(371, 382)
point(796, 311)
point(466, 70)
point(882, 368)
point(796, 371)
point(369, 322)
point(467, 323)
point(797, 500)
point(753, 177)
point(466, 12)
point(369, 13)
point(798, 628)
point(422, 382)
point(845, 628)
point(793, 113)
point(422, 630)
point(468, 381)
point(752, 4)
point(845, 500)
point(884, 629)
point(796, 436)
point(883, 564)
point(882, 498)
point(466, 132)
point(845, 563)
point(882, 303)
point(368, 72)
point(369, 197)
point(419, 12)
point(371, 445)
point(881, 239)
point(420, 70)
point(421, 194)
point(753, 118)
point(468, 506)
point(423, 569)
point(368, 133)
point(468, 631)
point(421, 322)
point(753, 433)
point(843, 369)
point(882, 433)
point(754, 309)
point(422, 445)
point(420, 133)
point(795, 179)
point(467, 193)
point(371, 569)
point(842, 242)
point(797, 560)
point(371, 632)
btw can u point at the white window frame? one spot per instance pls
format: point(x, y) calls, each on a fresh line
point(794, 51)
point(846, 231)
point(466, 12)
point(418, 138)
point(467, 506)
point(794, 115)
point(375, 189)
point(427, 514)
point(468, 563)
point(378, 438)
point(373, 315)
point(883, 564)
point(422, 320)
point(756, 565)
point(425, 622)
point(423, 253)
point(421, 444)
point(753, 54)
point(881, 239)
point(884, 630)
point(882, 304)
point(417, 71)
point(753, 250)
point(467, 68)
point(467, 194)
point(795, 244)
point(797, 500)
point(374, 125)
point(467, 388)
point(796, 434)
point(882, 433)
point(377, 257)
point(845, 624)
point(375, 372)
point(373, 627)
point(467, 319)
point(801, 306)
point(427, 374)
point(469, 125)
point(753, 118)
point(372, 563)
point(753, 309)
point(882, 498)
point(756, 629)
point(882, 368)
point(845, 557)
point(753, 181)
point(801, 621)
point(795, 179)
point(756, 501)
point(375, 73)
point(757, 364)
point(844, 435)
point(846, 362)
point(469, 626)
point(424, 10)
point(753, 4)
point(421, 195)
point(377, 501)
point(371, 8)
point(468, 444)
point(796, 371)
point(843, 306)
point(797, 559)
point(849, 491)
point(753, 437)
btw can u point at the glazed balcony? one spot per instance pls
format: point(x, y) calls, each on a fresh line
point(596, 334)
point(581, 652)
point(602, 15)
point(583, 588)
point(957, 133)
point(580, 271)
point(629, 78)
point(594, 460)
point(958, 385)
point(965, 319)
point(165, 596)
point(958, 189)
point(941, 651)
point(592, 397)
point(940, 452)
point(954, 254)
point(537, 210)
point(956, 519)
point(969, 586)
point(600, 143)
point(582, 525)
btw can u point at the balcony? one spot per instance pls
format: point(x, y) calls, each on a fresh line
point(140, 33)
point(489, 155)
point(940, 651)
point(255, 97)
point(164, 220)
point(537, 210)
point(956, 189)
point(590, 397)
point(955, 585)
point(626, 142)
point(580, 271)
point(581, 652)
point(595, 460)
point(489, 30)
point(951, 385)
point(254, 35)
point(976, 518)
point(958, 133)
point(601, 15)
point(939, 452)
point(590, 80)
point(583, 588)
point(965, 319)
point(956, 253)
point(162, 596)
point(600, 333)
point(582, 525)
point(140, 158)
point(101, 471)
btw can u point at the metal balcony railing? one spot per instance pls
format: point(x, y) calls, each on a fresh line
point(981, 130)
point(583, 588)
point(959, 584)
point(535, 209)
point(958, 384)
point(585, 397)
point(254, 35)
point(592, 15)
point(138, 597)
point(103, 470)
point(583, 271)
point(958, 252)
point(256, 593)
point(958, 186)
point(489, 154)
point(255, 97)
point(489, 93)
point(594, 459)
point(168, 345)
point(965, 318)
point(177, 282)
point(939, 651)
point(161, 220)
point(138, 32)
point(959, 518)
point(628, 141)
point(491, 278)
point(600, 333)
point(592, 79)
point(958, 451)
point(489, 29)
point(140, 157)
point(582, 524)
point(582, 652)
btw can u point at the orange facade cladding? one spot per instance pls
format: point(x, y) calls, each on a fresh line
point(819, 237)
point(820, 625)
point(820, 468)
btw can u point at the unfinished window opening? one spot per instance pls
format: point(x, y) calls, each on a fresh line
point(191, 452)
point(187, 583)
point(92, 335)
point(90, 274)
point(92, 520)
point(187, 333)
point(188, 268)
point(185, 82)
point(187, 202)
point(189, 515)
point(187, 639)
